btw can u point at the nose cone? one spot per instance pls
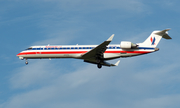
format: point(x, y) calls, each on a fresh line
point(20, 57)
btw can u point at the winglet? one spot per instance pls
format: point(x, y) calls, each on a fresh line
point(116, 64)
point(110, 38)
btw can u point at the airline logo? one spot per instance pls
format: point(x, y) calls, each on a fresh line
point(153, 40)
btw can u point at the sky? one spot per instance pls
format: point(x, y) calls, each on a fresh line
point(146, 81)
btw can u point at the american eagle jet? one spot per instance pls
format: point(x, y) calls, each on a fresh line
point(96, 54)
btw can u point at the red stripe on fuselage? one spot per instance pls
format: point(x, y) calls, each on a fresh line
point(64, 52)
point(26, 53)
point(141, 52)
point(53, 52)
point(79, 52)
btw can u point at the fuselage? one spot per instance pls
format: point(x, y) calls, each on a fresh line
point(96, 54)
point(76, 51)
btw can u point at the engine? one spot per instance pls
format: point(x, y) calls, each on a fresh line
point(127, 45)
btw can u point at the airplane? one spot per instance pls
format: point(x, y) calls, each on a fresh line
point(96, 54)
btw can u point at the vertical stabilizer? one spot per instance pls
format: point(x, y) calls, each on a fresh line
point(155, 37)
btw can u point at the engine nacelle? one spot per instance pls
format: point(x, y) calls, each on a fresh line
point(127, 45)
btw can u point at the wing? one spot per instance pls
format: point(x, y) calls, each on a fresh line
point(98, 51)
point(95, 56)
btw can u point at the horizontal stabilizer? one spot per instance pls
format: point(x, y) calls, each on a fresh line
point(164, 34)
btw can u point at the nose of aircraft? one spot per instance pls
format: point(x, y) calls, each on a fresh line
point(20, 57)
point(18, 54)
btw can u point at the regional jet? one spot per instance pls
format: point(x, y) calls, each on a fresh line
point(96, 54)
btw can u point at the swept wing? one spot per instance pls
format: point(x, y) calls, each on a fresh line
point(95, 55)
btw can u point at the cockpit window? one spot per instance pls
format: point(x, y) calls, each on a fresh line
point(29, 48)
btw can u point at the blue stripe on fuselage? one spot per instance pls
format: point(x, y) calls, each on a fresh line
point(72, 48)
point(146, 48)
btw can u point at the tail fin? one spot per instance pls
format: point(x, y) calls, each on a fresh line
point(155, 37)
